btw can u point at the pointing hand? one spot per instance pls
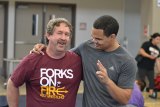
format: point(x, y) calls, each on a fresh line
point(102, 73)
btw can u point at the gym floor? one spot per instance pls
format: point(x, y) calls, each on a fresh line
point(149, 102)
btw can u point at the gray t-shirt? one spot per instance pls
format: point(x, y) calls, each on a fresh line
point(121, 68)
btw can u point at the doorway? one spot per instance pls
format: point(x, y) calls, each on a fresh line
point(31, 21)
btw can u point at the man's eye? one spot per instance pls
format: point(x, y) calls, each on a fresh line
point(67, 34)
point(60, 33)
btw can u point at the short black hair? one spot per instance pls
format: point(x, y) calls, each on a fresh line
point(154, 36)
point(142, 84)
point(108, 24)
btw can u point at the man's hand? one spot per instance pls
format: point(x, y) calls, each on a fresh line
point(38, 49)
point(119, 94)
point(102, 73)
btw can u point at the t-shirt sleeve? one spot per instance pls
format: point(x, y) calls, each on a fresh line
point(77, 49)
point(128, 74)
point(145, 45)
point(22, 72)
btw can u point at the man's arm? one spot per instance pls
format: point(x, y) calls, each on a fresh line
point(12, 94)
point(145, 54)
point(119, 94)
point(157, 65)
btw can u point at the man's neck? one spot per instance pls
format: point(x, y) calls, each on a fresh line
point(114, 46)
point(55, 54)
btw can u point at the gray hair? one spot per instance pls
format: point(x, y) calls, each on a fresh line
point(56, 22)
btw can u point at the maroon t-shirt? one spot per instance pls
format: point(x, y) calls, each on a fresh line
point(49, 82)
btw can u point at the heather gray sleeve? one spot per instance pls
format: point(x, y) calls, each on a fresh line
point(128, 74)
point(78, 49)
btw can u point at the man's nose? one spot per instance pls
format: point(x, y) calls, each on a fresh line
point(94, 40)
point(64, 36)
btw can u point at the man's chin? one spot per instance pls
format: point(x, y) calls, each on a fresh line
point(61, 50)
point(97, 47)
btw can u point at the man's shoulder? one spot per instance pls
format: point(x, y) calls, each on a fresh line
point(124, 52)
point(80, 48)
point(125, 56)
point(147, 43)
point(72, 54)
point(33, 57)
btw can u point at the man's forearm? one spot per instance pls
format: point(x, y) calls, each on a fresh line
point(12, 94)
point(119, 94)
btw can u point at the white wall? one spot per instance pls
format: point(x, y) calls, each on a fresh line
point(132, 25)
point(86, 12)
point(89, 10)
point(155, 17)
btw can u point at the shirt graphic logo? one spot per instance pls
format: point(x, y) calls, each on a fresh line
point(154, 52)
point(111, 68)
point(50, 86)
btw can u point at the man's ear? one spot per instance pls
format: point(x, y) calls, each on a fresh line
point(47, 35)
point(113, 36)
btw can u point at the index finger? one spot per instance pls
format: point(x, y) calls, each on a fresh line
point(100, 66)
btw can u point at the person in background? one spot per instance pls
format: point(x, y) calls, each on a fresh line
point(137, 98)
point(141, 84)
point(157, 67)
point(52, 79)
point(112, 87)
point(157, 77)
point(149, 52)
